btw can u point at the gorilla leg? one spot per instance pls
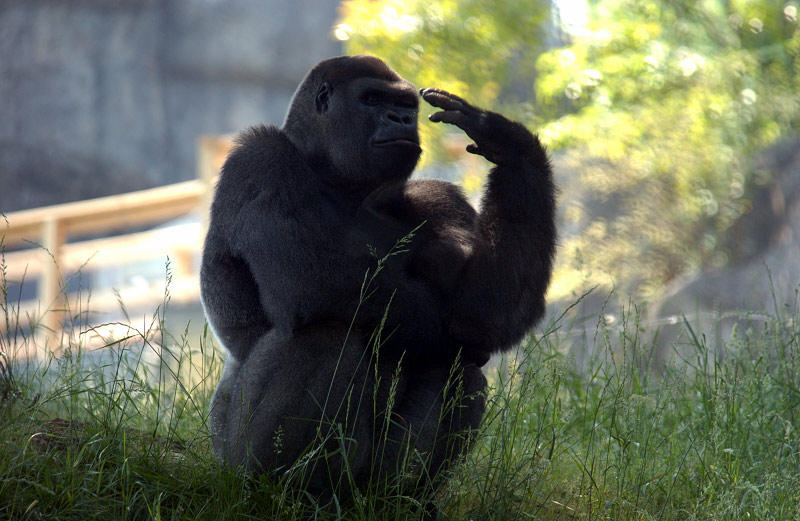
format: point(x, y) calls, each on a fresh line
point(432, 424)
point(310, 396)
point(325, 416)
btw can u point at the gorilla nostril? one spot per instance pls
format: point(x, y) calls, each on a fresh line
point(394, 118)
point(399, 119)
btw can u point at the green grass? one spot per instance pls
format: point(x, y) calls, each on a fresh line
point(709, 437)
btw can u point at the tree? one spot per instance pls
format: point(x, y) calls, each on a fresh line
point(653, 109)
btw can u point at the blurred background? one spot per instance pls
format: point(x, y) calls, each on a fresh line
point(674, 127)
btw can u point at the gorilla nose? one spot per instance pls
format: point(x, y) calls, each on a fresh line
point(396, 118)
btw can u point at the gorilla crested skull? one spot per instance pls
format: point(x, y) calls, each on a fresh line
point(298, 214)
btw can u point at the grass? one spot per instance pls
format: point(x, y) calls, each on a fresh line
point(714, 435)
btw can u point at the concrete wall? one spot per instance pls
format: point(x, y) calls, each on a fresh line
point(99, 97)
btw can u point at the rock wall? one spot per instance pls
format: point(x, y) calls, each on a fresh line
point(766, 269)
point(763, 281)
point(107, 96)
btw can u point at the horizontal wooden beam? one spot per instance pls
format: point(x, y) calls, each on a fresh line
point(52, 227)
point(106, 213)
point(111, 251)
point(139, 303)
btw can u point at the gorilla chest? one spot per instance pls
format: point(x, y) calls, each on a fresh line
point(422, 247)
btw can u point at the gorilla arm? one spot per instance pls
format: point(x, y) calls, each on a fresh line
point(501, 289)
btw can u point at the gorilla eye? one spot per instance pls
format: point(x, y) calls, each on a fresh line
point(372, 99)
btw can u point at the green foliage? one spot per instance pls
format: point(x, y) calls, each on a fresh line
point(659, 108)
point(445, 43)
point(654, 108)
point(452, 32)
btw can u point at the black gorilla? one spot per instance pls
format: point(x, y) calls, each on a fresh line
point(298, 217)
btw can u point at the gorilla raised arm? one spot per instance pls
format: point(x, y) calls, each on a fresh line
point(297, 216)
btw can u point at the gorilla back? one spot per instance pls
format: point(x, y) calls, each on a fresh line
point(298, 216)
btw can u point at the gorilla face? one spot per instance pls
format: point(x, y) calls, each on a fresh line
point(371, 129)
point(361, 117)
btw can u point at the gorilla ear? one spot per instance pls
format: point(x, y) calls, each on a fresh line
point(321, 99)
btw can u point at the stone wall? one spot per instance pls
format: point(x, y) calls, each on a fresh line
point(107, 96)
point(766, 267)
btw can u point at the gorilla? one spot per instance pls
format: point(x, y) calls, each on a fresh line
point(356, 307)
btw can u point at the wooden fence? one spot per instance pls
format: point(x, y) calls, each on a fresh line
point(52, 228)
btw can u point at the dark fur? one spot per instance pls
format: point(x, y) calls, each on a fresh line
point(287, 252)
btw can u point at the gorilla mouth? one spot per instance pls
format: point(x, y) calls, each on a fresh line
point(399, 141)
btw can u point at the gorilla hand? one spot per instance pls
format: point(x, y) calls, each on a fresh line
point(497, 138)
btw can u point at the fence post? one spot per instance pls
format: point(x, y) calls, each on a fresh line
point(51, 301)
point(211, 153)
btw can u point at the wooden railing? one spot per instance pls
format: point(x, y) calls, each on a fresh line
point(51, 229)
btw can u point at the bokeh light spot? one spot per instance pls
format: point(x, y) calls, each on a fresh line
point(756, 25)
point(573, 91)
point(342, 32)
point(790, 12)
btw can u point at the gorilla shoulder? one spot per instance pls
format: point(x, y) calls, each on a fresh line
point(263, 163)
point(257, 150)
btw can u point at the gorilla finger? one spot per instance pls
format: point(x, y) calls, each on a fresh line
point(442, 92)
point(479, 151)
point(442, 99)
point(454, 117)
point(437, 117)
point(430, 91)
point(443, 102)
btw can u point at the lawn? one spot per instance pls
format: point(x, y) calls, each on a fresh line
point(713, 435)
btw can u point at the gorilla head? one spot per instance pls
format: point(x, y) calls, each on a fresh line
point(355, 120)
